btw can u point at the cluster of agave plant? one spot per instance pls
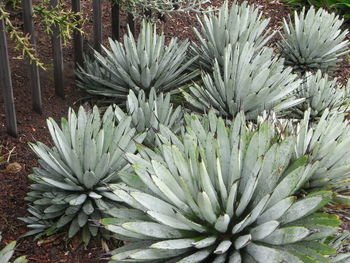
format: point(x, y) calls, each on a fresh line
point(239, 169)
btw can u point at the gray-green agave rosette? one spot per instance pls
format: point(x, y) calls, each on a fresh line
point(313, 41)
point(138, 65)
point(70, 186)
point(148, 113)
point(220, 194)
point(237, 24)
point(7, 252)
point(320, 93)
point(248, 81)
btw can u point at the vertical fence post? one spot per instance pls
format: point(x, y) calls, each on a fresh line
point(115, 21)
point(131, 23)
point(77, 37)
point(32, 67)
point(57, 56)
point(6, 83)
point(97, 24)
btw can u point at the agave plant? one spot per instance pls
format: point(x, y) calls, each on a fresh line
point(237, 24)
point(247, 82)
point(7, 252)
point(148, 114)
point(320, 93)
point(220, 194)
point(314, 41)
point(327, 142)
point(70, 186)
point(138, 65)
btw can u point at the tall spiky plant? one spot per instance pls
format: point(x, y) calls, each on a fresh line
point(220, 194)
point(237, 24)
point(314, 41)
point(137, 65)
point(70, 186)
point(247, 81)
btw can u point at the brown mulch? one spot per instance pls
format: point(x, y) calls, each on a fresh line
point(32, 127)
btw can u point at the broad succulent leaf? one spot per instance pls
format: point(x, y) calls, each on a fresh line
point(237, 24)
point(247, 82)
point(138, 65)
point(7, 252)
point(69, 187)
point(221, 194)
point(314, 40)
point(320, 93)
point(148, 114)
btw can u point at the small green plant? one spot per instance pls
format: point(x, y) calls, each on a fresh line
point(148, 114)
point(138, 65)
point(221, 194)
point(314, 40)
point(236, 24)
point(7, 253)
point(247, 81)
point(70, 186)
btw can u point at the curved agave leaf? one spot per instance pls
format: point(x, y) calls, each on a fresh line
point(226, 194)
point(247, 82)
point(137, 65)
point(313, 41)
point(69, 187)
point(7, 252)
point(148, 114)
point(237, 24)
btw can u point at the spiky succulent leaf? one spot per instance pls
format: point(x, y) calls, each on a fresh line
point(237, 24)
point(221, 194)
point(7, 252)
point(314, 40)
point(70, 184)
point(247, 82)
point(148, 113)
point(138, 65)
point(320, 93)
point(341, 243)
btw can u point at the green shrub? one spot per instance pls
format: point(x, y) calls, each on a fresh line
point(320, 92)
point(221, 194)
point(148, 114)
point(247, 82)
point(138, 65)
point(313, 41)
point(237, 24)
point(7, 252)
point(70, 186)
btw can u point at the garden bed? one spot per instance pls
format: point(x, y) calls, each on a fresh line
point(32, 127)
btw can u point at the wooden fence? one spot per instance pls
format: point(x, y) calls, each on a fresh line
point(33, 71)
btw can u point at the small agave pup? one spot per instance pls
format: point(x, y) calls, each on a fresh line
point(313, 41)
point(248, 81)
point(70, 186)
point(138, 65)
point(219, 194)
point(320, 93)
point(237, 24)
point(148, 114)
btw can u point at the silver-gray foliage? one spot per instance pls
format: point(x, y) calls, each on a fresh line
point(7, 252)
point(70, 186)
point(314, 41)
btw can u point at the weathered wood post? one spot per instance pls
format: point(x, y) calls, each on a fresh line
point(33, 70)
point(115, 21)
point(77, 37)
point(57, 56)
point(97, 13)
point(6, 83)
